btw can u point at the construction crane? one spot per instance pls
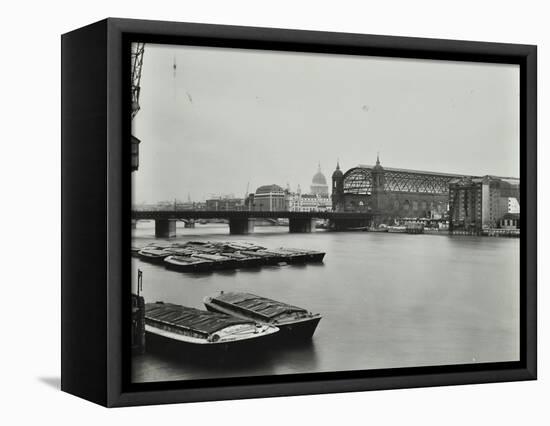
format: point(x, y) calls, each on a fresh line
point(136, 62)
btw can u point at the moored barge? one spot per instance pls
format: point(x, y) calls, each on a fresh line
point(219, 262)
point(398, 229)
point(274, 257)
point(243, 260)
point(188, 264)
point(266, 258)
point(153, 254)
point(223, 255)
point(193, 328)
point(305, 255)
point(243, 245)
point(293, 322)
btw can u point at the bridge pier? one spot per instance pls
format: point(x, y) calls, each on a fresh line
point(165, 228)
point(301, 225)
point(241, 226)
point(190, 223)
point(134, 224)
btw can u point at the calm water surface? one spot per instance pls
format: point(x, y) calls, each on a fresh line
point(387, 300)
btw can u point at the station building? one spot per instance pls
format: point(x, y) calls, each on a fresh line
point(469, 203)
point(391, 193)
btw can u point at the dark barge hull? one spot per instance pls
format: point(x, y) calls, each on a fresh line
point(294, 258)
point(157, 260)
point(264, 258)
point(247, 262)
point(219, 265)
point(225, 264)
point(299, 330)
point(178, 330)
point(199, 267)
point(316, 257)
point(214, 351)
point(307, 256)
point(273, 257)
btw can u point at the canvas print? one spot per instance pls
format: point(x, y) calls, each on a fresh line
point(298, 212)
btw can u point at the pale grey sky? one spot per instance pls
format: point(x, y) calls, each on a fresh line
point(228, 117)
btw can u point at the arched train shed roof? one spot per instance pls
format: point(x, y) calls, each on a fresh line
point(358, 180)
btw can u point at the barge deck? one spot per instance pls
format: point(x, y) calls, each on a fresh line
point(192, 328)
point(293, 322)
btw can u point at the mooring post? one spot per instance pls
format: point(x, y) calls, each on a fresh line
point(138, 318)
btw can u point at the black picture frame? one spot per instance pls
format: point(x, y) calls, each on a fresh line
point(95, 190)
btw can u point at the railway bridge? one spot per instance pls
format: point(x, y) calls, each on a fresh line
point(242, 222)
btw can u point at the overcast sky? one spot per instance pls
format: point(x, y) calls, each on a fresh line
point(228, 118)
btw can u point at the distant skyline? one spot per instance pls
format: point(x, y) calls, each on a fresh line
point(214, 120)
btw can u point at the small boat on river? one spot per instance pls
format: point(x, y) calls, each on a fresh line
point(153, 254)
point(243, 260)
point(179, 251)
point(243, 245)
point(397, 229)
point(219, 261)
point(275, 256)
point(265, 257)
point(305, 255)
point(292, 321)
point(290, 256)
point(200, 248)
point(188, 264)
point(194, 328)
point(378, 229)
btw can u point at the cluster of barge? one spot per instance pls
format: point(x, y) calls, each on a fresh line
point(205, 256)
point(232, 320)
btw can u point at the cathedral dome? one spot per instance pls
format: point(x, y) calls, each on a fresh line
point(319, 183)
point(319, 179)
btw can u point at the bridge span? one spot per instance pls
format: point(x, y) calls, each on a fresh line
point(242, 222)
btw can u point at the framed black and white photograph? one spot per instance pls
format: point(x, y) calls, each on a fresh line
point(281, 212)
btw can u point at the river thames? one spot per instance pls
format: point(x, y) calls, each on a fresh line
point(387, 300)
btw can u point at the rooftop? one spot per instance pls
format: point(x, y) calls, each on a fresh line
point(266, 189)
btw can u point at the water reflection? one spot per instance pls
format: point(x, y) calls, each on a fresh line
point(387, 300)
